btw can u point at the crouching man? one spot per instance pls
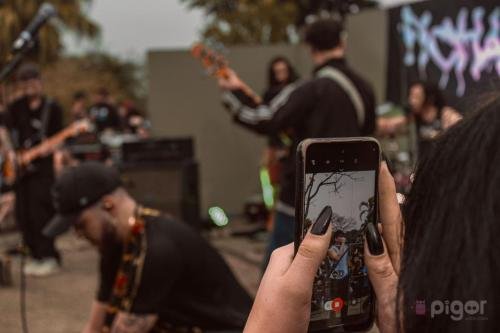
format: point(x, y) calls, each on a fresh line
point(156, 274)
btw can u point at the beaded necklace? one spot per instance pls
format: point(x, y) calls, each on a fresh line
point(128, 277)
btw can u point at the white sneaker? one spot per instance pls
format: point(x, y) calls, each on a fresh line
point(41, 268)
point(30, 266)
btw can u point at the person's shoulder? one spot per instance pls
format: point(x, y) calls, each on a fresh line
point(18, 103)
point(54, 104)
point(161, 233)
point(17, 109)
point(168, 226)
point(303, 84)
point(167, 237)
point(360, 80)
point(300, 87)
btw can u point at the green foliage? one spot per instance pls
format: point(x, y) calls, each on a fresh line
point(248, 21)
point(15, 15)
point(88, 73)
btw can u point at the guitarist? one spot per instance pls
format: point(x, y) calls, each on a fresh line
point(336, 102)
point(30, 119)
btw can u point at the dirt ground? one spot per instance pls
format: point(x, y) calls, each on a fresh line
point(61, 303)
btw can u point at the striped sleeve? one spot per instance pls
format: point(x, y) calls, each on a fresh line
point(265, 119)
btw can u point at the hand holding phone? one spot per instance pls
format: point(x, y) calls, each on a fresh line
point(341, 174)
point(281, 304)
point(383, 263)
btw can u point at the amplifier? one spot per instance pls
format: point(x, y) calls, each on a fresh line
point(88, 152)
point(158, 150)
point(171, 187)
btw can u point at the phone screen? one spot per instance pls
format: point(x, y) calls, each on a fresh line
point(342, 175)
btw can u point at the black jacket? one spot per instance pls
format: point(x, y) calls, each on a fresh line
point(318, 108)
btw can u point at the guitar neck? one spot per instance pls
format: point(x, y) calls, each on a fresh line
point(48, 145)
point(59, 138)
point(217, 65)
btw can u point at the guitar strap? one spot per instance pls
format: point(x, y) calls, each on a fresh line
point(350, 89)
point(45, 117)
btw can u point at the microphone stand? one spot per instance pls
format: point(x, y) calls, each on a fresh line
point(4, 75)
point(15, 61)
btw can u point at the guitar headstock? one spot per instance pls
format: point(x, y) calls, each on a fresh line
point(212, 61)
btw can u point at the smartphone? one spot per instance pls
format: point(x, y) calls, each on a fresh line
point(338, 179)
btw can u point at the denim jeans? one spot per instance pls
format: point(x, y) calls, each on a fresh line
point(282, 234)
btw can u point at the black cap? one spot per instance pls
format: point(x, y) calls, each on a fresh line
point(27, 72)
point(78, 188)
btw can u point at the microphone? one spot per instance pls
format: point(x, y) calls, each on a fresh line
point(45, 12)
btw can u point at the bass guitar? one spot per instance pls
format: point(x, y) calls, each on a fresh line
point(16, 164)
point(216, 65)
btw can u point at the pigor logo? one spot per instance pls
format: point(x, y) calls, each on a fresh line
point(458, 310)
point(420, 308)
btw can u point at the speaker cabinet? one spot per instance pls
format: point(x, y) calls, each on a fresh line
point(171, 187)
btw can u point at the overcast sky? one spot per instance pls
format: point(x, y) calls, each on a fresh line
point(130, 27)
point(346, 202)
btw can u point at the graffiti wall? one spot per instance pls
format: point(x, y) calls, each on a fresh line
point(453, 43)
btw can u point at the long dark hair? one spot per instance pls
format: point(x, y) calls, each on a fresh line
point(452, 221)
point(271, 77)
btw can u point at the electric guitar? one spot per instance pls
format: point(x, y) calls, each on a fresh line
point(16, 164)
point(216, 65)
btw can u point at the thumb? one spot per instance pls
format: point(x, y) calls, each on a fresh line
point(312, 250)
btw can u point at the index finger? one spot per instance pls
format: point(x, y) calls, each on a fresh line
point(309, 256)
point(390, 216)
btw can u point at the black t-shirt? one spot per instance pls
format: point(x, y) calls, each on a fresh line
point(184, 280)
point(426, 132)
point(26, 130)
point(105, 116)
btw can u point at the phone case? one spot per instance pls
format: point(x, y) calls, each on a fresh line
point(299, 213)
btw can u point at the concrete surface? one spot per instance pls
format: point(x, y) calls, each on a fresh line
point(61, 303)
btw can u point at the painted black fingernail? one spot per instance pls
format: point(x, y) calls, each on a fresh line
point(322, 222)
point(374, 240)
